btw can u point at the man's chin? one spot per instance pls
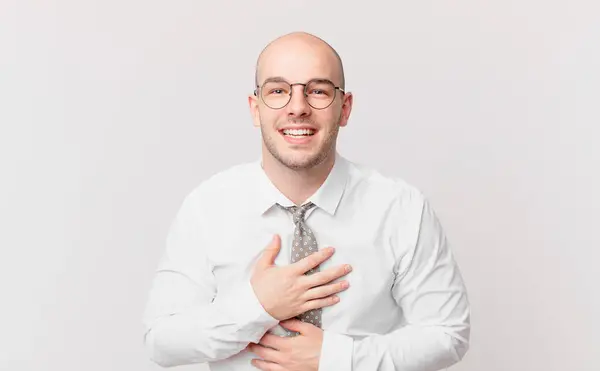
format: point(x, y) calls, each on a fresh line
point(304, 162)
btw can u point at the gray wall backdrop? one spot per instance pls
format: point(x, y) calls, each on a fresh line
point(112, 111)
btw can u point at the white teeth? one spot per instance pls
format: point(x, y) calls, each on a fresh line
point(298, 132)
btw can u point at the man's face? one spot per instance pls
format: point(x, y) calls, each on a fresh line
point(298, 135)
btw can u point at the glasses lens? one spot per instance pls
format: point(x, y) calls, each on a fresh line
point(275, 94)
point(320, 94)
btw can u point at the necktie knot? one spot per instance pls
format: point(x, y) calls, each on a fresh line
point(300, 211)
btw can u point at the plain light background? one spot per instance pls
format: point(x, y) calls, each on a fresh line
point(112, 111)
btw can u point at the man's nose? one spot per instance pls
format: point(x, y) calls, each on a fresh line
point(298, 106)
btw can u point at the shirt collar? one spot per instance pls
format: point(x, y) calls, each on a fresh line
point(327, 197)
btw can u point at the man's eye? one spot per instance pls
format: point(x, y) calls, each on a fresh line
point(277, 91)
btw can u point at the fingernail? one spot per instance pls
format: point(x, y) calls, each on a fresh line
point(348, 268)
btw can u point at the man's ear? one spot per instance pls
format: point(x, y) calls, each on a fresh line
point(346, 108)
point(253, 106)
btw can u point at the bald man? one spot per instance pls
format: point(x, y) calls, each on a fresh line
point(303, 260)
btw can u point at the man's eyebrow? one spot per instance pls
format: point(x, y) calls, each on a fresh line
point(322, 79)
point(282, 79)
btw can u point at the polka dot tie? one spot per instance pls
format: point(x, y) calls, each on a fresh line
point(303, 245)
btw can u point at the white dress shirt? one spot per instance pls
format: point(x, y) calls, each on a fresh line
point(406, 308)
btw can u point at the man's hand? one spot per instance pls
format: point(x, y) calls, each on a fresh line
point(285, 292)
point(298, 353)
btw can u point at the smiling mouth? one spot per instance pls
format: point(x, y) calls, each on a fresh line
point(298, 133)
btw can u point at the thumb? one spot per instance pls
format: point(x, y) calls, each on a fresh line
point(296, 325)
point(270, 252)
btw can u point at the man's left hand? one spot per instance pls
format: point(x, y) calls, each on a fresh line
point(298, 353)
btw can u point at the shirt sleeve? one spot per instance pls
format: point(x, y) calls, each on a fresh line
point(431, 294)
point(185, 321)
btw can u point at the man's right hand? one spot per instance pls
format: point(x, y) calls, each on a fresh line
point(286, 292)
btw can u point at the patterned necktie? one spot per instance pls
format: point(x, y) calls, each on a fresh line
point(303, 245)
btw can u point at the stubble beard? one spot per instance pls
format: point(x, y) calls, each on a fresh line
point(302, 162)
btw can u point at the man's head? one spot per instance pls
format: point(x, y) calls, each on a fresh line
point(300, 132)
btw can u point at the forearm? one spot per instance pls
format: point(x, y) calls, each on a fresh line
point(411, 348)
point(207, 332)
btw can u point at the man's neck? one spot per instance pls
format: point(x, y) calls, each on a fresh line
point(297, 185)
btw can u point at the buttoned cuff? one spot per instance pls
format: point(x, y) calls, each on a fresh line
point(251, 318)
point(336, 352)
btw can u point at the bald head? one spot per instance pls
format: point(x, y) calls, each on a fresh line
point(302, 44)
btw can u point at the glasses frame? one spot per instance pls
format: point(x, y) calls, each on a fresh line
point(336, 88)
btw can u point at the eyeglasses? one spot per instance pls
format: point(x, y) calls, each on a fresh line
point(319, 93)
